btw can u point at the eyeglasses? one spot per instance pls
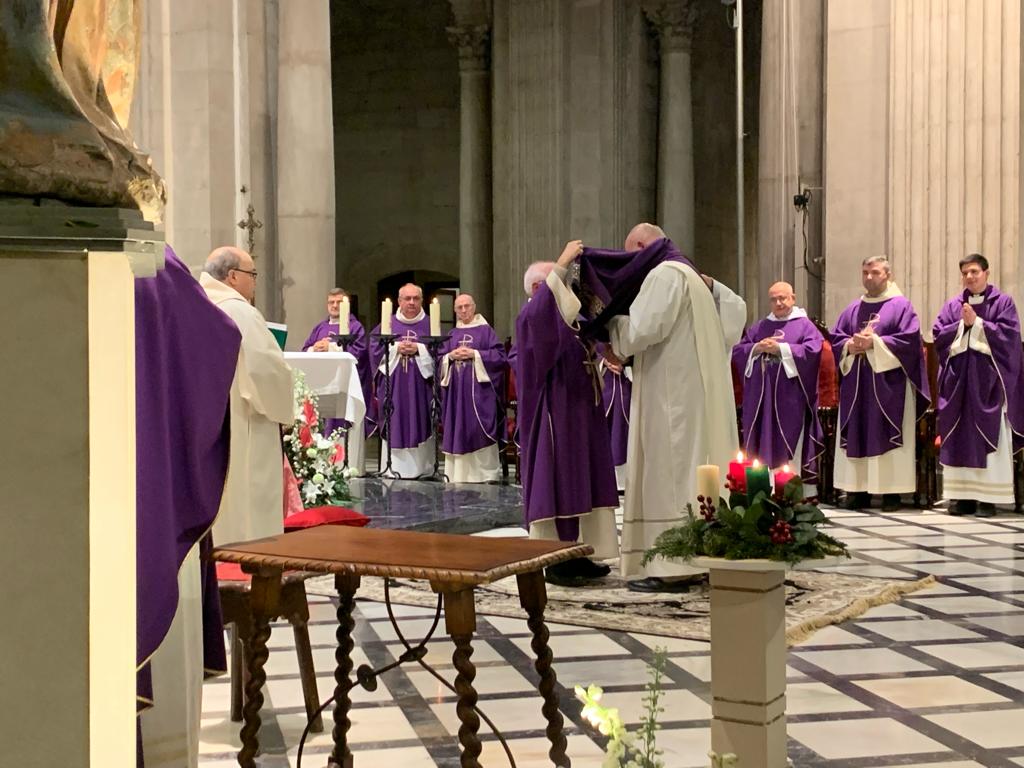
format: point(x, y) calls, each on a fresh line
point(252, 272)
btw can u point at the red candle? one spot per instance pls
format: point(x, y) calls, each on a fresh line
point(738, 473)
point(782, 477)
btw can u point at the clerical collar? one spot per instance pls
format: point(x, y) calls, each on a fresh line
point(890, 291)
point(476, 322)
point(400, 318)
point(794, 313)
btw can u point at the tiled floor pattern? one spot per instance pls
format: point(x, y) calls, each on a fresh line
point(936, 680)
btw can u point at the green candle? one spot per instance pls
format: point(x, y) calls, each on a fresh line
point(758, 479)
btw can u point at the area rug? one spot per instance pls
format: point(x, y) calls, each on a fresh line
point(814, 600)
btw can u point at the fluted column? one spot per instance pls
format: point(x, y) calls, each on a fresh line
point(673, 20)
point(476, 267)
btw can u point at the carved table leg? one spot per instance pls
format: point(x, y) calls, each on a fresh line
point(460, 620)
point(346, 584)
point(263, 598)
point(533, 597)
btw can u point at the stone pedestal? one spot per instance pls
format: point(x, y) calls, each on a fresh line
point(748, 660)
point(68, 483)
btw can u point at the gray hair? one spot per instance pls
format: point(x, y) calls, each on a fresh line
point(880, 259)
point(222, 261)
point(536, 273)
point(337, 292)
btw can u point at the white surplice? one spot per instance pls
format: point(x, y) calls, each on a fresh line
point(682, 412)
point(262, 400)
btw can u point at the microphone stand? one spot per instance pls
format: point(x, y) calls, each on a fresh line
point(387, 408)
point(343, 340)
point(434, 343)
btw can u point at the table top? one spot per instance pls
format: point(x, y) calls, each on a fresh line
point(439, 557)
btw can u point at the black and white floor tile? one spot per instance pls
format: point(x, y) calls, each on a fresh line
point(935, 681)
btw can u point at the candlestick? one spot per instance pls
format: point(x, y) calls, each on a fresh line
point(782, 477)
point(435, 318)
point(709, 482)
point(758, 479)
point(343, 315)
point(385, 317)
point(737, 472)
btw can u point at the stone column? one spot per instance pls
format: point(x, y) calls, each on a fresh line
point(476, 267)
point(673, 20)
point(305, 164)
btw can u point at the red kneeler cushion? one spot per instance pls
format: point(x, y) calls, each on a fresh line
point(329, 515)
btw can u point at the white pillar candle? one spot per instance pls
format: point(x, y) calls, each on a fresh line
point(385, 317)
point(709, 482)
point(343, 315)
point(435, 318)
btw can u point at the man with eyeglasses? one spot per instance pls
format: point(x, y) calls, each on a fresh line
point(262, 400)
point(880, 359)
point(981, 408)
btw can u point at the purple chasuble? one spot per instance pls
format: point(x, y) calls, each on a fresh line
point(610, 281)
point(776, 408)
point(566, 459)
point(469, 408)
point(616, 392)
point(871, 404)
point(360, 351)
point(185, 355)
point(410, 392)
point(974, 387)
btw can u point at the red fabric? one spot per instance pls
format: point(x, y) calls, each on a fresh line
point(292, 497)
point(828, 384)
point(231, 572)
point(328, 515)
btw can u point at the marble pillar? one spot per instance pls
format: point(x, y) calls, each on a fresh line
point(790, 157)
point(673, 20)
point(305, 163)
point(476, 268)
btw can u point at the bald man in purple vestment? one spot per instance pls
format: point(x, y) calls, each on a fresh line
point(472, 380)
point(569, 491)
point(411, 369)
point(981, 406)
point(778, 358)
point(880, 360)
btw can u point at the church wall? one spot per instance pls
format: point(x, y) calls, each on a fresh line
point(396, 127)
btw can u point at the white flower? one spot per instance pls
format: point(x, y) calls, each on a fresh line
point(310, 491)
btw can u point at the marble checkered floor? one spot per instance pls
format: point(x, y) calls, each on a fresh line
point(936, 680)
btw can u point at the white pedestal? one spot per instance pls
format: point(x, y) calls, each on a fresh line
point(67, 479)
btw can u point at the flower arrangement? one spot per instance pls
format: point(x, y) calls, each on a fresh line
point(317, 461)
point(774, 526)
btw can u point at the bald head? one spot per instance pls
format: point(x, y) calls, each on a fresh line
point(536, 274)
point(643, 235)
point(410, 300)
point(233, 267)
point(465, 308)
point(781, 298)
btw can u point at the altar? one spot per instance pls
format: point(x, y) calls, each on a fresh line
point(334, 377)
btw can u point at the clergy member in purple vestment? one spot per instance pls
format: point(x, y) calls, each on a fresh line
point(185, 353)
point(981, 406)
point(319, 340)
point(411, 369)
point(617, 389)
point(472, 379)
point(779, 357)
point(569, 489)
point(881, 391)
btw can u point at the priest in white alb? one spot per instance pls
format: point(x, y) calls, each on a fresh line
point(262, 401)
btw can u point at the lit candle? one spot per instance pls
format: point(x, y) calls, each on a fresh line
point(385, 317)
point(343, 315)
point(782, 477)
point(709, 482)
point(758, 479)
point(737, 472)
point(435, 318)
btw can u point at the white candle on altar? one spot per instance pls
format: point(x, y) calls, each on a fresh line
point(435, 318)
point(709, 484)
point(343, 314)
point(385, 317)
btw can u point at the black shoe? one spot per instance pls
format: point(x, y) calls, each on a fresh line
point(985, 509)
point(857, 501)
point(655, 584)
point(575, 573)
point(891, 502)
point(962, 507)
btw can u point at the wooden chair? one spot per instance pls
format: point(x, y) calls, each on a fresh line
point(293, 607)
point(926, 453)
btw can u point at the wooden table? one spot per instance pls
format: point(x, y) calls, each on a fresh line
point(454, 566)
